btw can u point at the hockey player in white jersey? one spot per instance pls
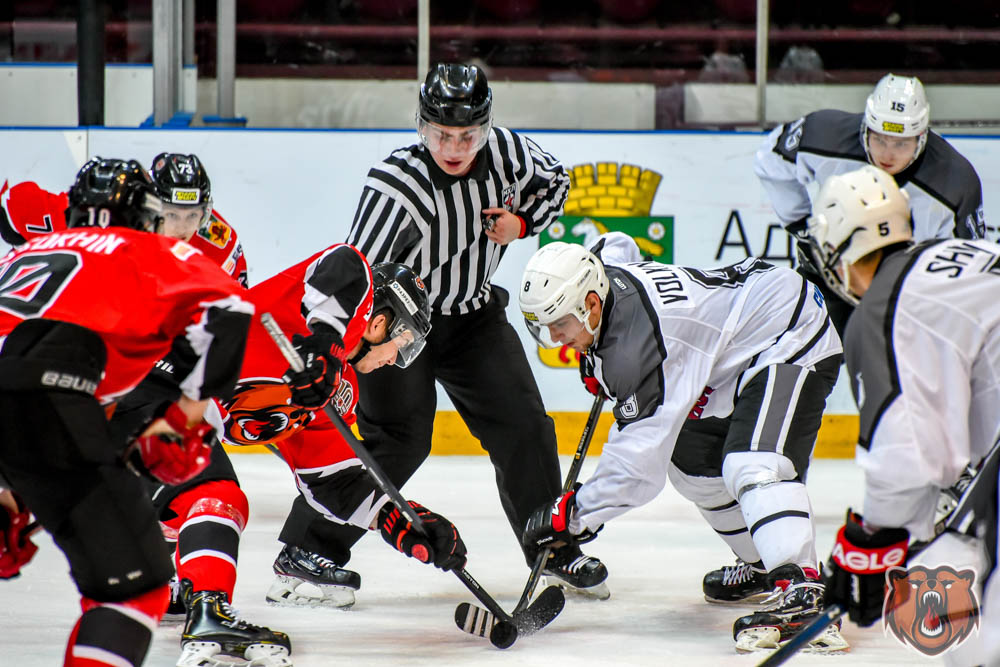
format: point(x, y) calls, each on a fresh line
point(923, 355)
point(893, 134)
point(750, 344)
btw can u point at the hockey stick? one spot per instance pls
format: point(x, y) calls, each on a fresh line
point(571, 476)
point(829, 616)
point(503, 633)
point(471, 618)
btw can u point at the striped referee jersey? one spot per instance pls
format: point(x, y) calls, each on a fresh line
point(413, 213)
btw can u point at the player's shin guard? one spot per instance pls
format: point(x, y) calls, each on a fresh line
point(214, 515)
point(780, 519)
point(115, 633)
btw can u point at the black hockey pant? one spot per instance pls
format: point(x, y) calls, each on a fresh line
point(480, 361)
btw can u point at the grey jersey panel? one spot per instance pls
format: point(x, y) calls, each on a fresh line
point(635, 380)
point(868, 350)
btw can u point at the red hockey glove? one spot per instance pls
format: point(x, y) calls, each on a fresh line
point(16, 547)
point(322, 353)
point(857, 566)
point(174, 458)
point(442, 545)
point(548, 526)
point(587, 375)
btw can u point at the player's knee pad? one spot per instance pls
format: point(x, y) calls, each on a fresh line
point(702, 491)
point(744, 471)
point(112, 539)
point(221, 498)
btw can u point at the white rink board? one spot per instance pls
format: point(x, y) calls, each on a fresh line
point(289, 193)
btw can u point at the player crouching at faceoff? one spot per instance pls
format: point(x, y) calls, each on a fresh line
point(752, 344)
point(923, 355)
point(83, 321)
point(344, 317)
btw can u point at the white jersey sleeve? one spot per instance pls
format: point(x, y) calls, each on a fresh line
point(928, 407)
point(782, 175)
point(633, 466)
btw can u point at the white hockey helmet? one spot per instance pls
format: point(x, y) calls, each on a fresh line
point(555, 284)
point(897, 108)
point(854, 215)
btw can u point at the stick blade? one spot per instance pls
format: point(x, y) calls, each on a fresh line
point(474, 620)
point(541, 612)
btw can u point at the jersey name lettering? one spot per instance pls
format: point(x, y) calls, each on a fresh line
point(952, 259)
point(668, 286)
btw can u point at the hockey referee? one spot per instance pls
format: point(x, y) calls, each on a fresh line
point(449, 206)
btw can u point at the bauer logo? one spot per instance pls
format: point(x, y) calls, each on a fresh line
point(895, 128)
point(609, 197)
point(404, 298)
point(930, 609)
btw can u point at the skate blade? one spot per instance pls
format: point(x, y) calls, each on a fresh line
point(769, 639)
point(749, 601)
point(598, 592)
point(292, 592)
point(209, 654)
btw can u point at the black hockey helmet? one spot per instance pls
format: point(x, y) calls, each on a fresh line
point(400, 295)
point(113, 193)
point(456, 95)
point(181, 180)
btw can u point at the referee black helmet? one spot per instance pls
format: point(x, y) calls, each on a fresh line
point(456, 95)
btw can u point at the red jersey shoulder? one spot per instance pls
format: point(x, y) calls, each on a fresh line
point(32, 210)
point(214, 233)
point(217, 239)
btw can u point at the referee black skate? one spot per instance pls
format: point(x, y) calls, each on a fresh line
point(449, 206)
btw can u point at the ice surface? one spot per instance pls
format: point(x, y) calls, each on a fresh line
point(656, 555)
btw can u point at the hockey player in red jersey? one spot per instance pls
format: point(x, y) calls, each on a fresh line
point(345, 317)
point(186, 192)
point(27, 211)
point(203, 519)
point(82, 319)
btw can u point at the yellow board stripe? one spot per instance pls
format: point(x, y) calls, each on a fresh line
point(837, 436)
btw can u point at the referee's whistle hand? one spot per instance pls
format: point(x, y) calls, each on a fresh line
point(507, 226)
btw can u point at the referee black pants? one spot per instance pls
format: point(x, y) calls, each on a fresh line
point(480, 362)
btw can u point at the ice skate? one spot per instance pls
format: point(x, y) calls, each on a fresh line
point(305, 579)
point(797, 600)
point(743, 583)
point(215, 636)
point(576, 572)
point(176, 611)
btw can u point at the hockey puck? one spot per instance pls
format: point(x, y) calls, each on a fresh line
point(503, 634)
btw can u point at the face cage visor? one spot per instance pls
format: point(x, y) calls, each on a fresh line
point(453, 141)
point(409, 345)
point(828, 270)
point(558, 333)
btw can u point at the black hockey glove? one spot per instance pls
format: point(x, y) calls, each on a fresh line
point(587, 375)
point(548, 526)
point(803, 247)
point(323, 354)
point(441, 546)
point(856, 569)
